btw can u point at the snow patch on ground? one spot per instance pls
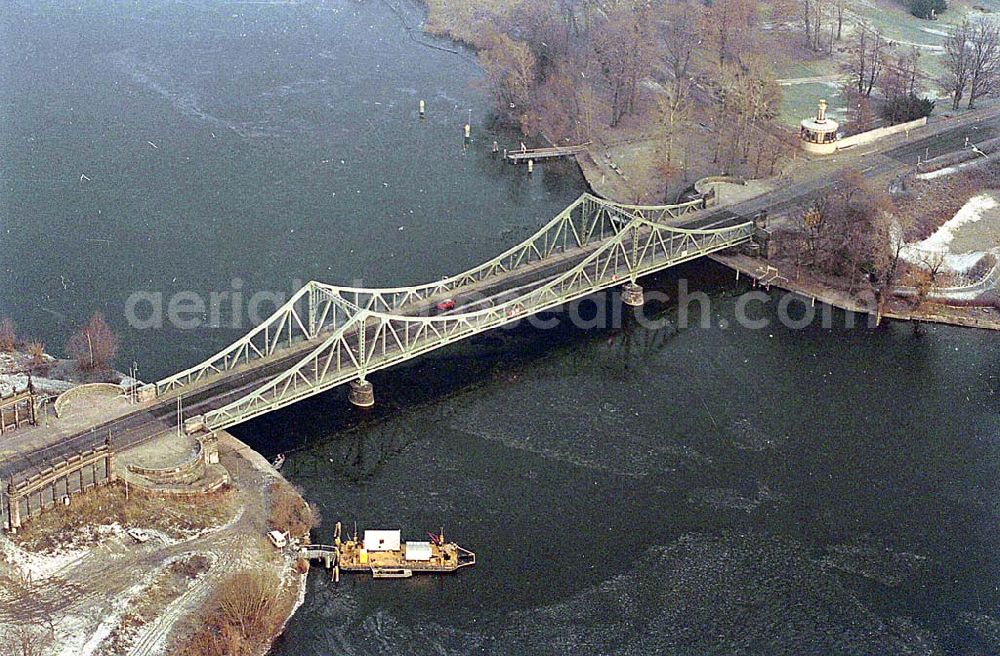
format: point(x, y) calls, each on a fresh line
point(931, 30)
point(37, 566)
point(940, 173)
point(940, 242)
point(79, 637)
point(971, 212)
point(10, 383)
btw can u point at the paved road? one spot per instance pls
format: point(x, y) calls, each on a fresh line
point(141, 425)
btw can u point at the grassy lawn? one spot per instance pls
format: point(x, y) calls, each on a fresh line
point(800, 100)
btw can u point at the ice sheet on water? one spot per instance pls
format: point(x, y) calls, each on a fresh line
point(547, 418)
point(727, 594)
point(724, 594)
point(155, 76)
point(723, 498)
point(873, 560)
point(748, 436)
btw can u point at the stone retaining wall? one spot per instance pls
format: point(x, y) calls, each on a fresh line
point(862, 138)
point(701, 185)
point(58, 483)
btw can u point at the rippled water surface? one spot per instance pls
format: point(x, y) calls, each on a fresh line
point(629, 490)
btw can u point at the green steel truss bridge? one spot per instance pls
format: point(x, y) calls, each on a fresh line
point(327, 335)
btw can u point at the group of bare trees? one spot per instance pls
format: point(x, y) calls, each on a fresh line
point(848, 233)
point(867, 59)
point(574, 65)
point(877, 64)
point(822, 23)
point(972, 61)
point(93, 346)
point(510, 70)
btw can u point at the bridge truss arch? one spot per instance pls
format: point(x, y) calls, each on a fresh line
point(375, 339)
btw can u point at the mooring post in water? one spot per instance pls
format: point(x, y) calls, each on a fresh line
point(423, 109)
point(496, 148)
point(531, 165)
point(468, 132)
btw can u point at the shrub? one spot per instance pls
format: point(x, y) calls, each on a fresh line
point(8, 335)
point(36, 350)
point(243, 614)
point(905, 108)
point(289, 513)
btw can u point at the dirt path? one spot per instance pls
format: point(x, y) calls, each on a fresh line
point(87, 600)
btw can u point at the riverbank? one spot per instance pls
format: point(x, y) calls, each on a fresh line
point(626, 160)
point(838, 294)
point(76, 581)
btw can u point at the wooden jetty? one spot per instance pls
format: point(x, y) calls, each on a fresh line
point(535, 154)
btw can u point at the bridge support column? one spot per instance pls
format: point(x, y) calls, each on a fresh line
point(632, 294)
point(362, 394)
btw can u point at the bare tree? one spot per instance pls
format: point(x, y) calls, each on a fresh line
point(984, 72)
point(933, 262)
point(814, 12)
point(860, 113)
point(901, 76)
point(839, 7)
point(94, 346)
point(622, 49)
point(888, 231)
point(586, 102)
point(731, 26)
point(681, 42)
point(867, 58)
point(957, 62)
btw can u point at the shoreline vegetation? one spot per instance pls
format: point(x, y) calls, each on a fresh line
point(693, 100)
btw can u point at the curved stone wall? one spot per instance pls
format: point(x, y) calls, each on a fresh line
point(89, 390)
point(702, 185)
point(186, 472)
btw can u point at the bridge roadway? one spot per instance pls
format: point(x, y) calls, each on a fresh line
point(159, 416)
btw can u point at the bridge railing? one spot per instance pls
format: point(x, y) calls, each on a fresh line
point(376, 340)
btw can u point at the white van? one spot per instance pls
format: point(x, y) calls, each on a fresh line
point(278, 539)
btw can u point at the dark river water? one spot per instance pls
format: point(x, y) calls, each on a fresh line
point(627, 489)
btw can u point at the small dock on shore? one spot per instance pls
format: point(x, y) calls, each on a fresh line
point(536, 154)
